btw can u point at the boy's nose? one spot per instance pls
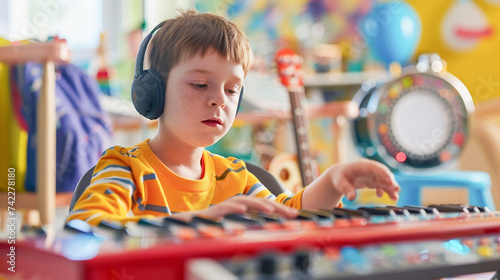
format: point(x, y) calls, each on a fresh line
point(217, 98)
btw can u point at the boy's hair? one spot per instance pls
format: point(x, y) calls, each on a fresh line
point(190, 33)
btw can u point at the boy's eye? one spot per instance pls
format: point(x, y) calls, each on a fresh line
point(200, 86)
point(232, 91)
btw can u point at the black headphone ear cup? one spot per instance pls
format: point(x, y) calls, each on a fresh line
point(148, 94)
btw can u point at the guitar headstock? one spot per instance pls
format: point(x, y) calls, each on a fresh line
point(289, 67)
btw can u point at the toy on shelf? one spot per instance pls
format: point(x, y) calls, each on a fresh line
point(417, 120)
point(418, 124)
point(289, 70)
point(392, 31)
point(105, 73)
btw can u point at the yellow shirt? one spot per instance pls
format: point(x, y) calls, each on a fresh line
point(132, 183)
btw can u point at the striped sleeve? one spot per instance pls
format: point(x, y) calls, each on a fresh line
point(257, 189)
point(294, 200)
point(110, 194)
point(290, 199)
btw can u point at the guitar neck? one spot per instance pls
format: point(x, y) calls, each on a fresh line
point(301, 132)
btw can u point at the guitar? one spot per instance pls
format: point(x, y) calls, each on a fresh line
point(290, 73)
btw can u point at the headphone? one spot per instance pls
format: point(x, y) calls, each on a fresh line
point(148, 88)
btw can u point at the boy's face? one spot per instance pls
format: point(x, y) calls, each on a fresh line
point(201, 99)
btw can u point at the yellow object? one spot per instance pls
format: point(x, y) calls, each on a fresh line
point(476, 68)
point(485, 251)
point(14, 137)
point(395, 69)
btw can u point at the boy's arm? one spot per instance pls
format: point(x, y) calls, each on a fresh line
point(291, 200)
point(110, 194)
point(258, 189)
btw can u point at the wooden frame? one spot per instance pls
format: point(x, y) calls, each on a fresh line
point(44, 200)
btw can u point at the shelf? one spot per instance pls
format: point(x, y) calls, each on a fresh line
point(39, 52)
point(340, 79)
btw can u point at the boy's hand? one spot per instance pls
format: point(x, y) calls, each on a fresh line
point(343, 179)
point(243, 204)
point(346, 178)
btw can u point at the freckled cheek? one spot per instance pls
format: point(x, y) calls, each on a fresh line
point(181, 103)
point(189, 101)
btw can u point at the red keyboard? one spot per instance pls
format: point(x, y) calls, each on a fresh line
point(161, 248)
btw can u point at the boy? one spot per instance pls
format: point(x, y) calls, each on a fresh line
point(202, 60)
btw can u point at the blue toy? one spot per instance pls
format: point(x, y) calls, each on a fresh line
point(392, 30)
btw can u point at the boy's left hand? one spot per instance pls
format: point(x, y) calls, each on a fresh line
point(364, 173)
point(344, 179)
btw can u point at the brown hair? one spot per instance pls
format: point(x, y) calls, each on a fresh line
point(190, 33)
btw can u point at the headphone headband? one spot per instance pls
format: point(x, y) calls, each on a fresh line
point(139, 62)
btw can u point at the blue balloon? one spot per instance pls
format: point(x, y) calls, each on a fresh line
point(392, 30)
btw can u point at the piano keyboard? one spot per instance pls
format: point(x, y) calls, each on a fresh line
point(153, 248)
point(237, 224)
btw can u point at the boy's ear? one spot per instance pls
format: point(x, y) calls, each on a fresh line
point(148, 94)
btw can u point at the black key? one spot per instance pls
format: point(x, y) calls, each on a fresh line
point(207, 221)
point(168, 221)
point(115, 228)
point(353, 213)
point(411, 210)
point(111, 225)
point(477, 208)
point(150, 223)
point(428, 210)
point(243, 218)
point(268, 217)
point(397, 210)
point(306, 215)
point(378, 211)
point(484, 209)
point(154, 225)
point(448, 208)
point(321, 215)
point(339, 214)
point(472, 209)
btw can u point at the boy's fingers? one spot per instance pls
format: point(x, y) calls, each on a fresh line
point(284, 210)
point(379, 171)
point(266, 205)
point(347, 189)
point(225, 208)
point(254, 203)
point(367, 182)
point(392, 191)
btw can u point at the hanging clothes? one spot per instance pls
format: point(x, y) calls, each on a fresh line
point(14, 137)
point(83, 129)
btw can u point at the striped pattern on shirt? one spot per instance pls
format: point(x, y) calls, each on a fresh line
point(132, 183)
